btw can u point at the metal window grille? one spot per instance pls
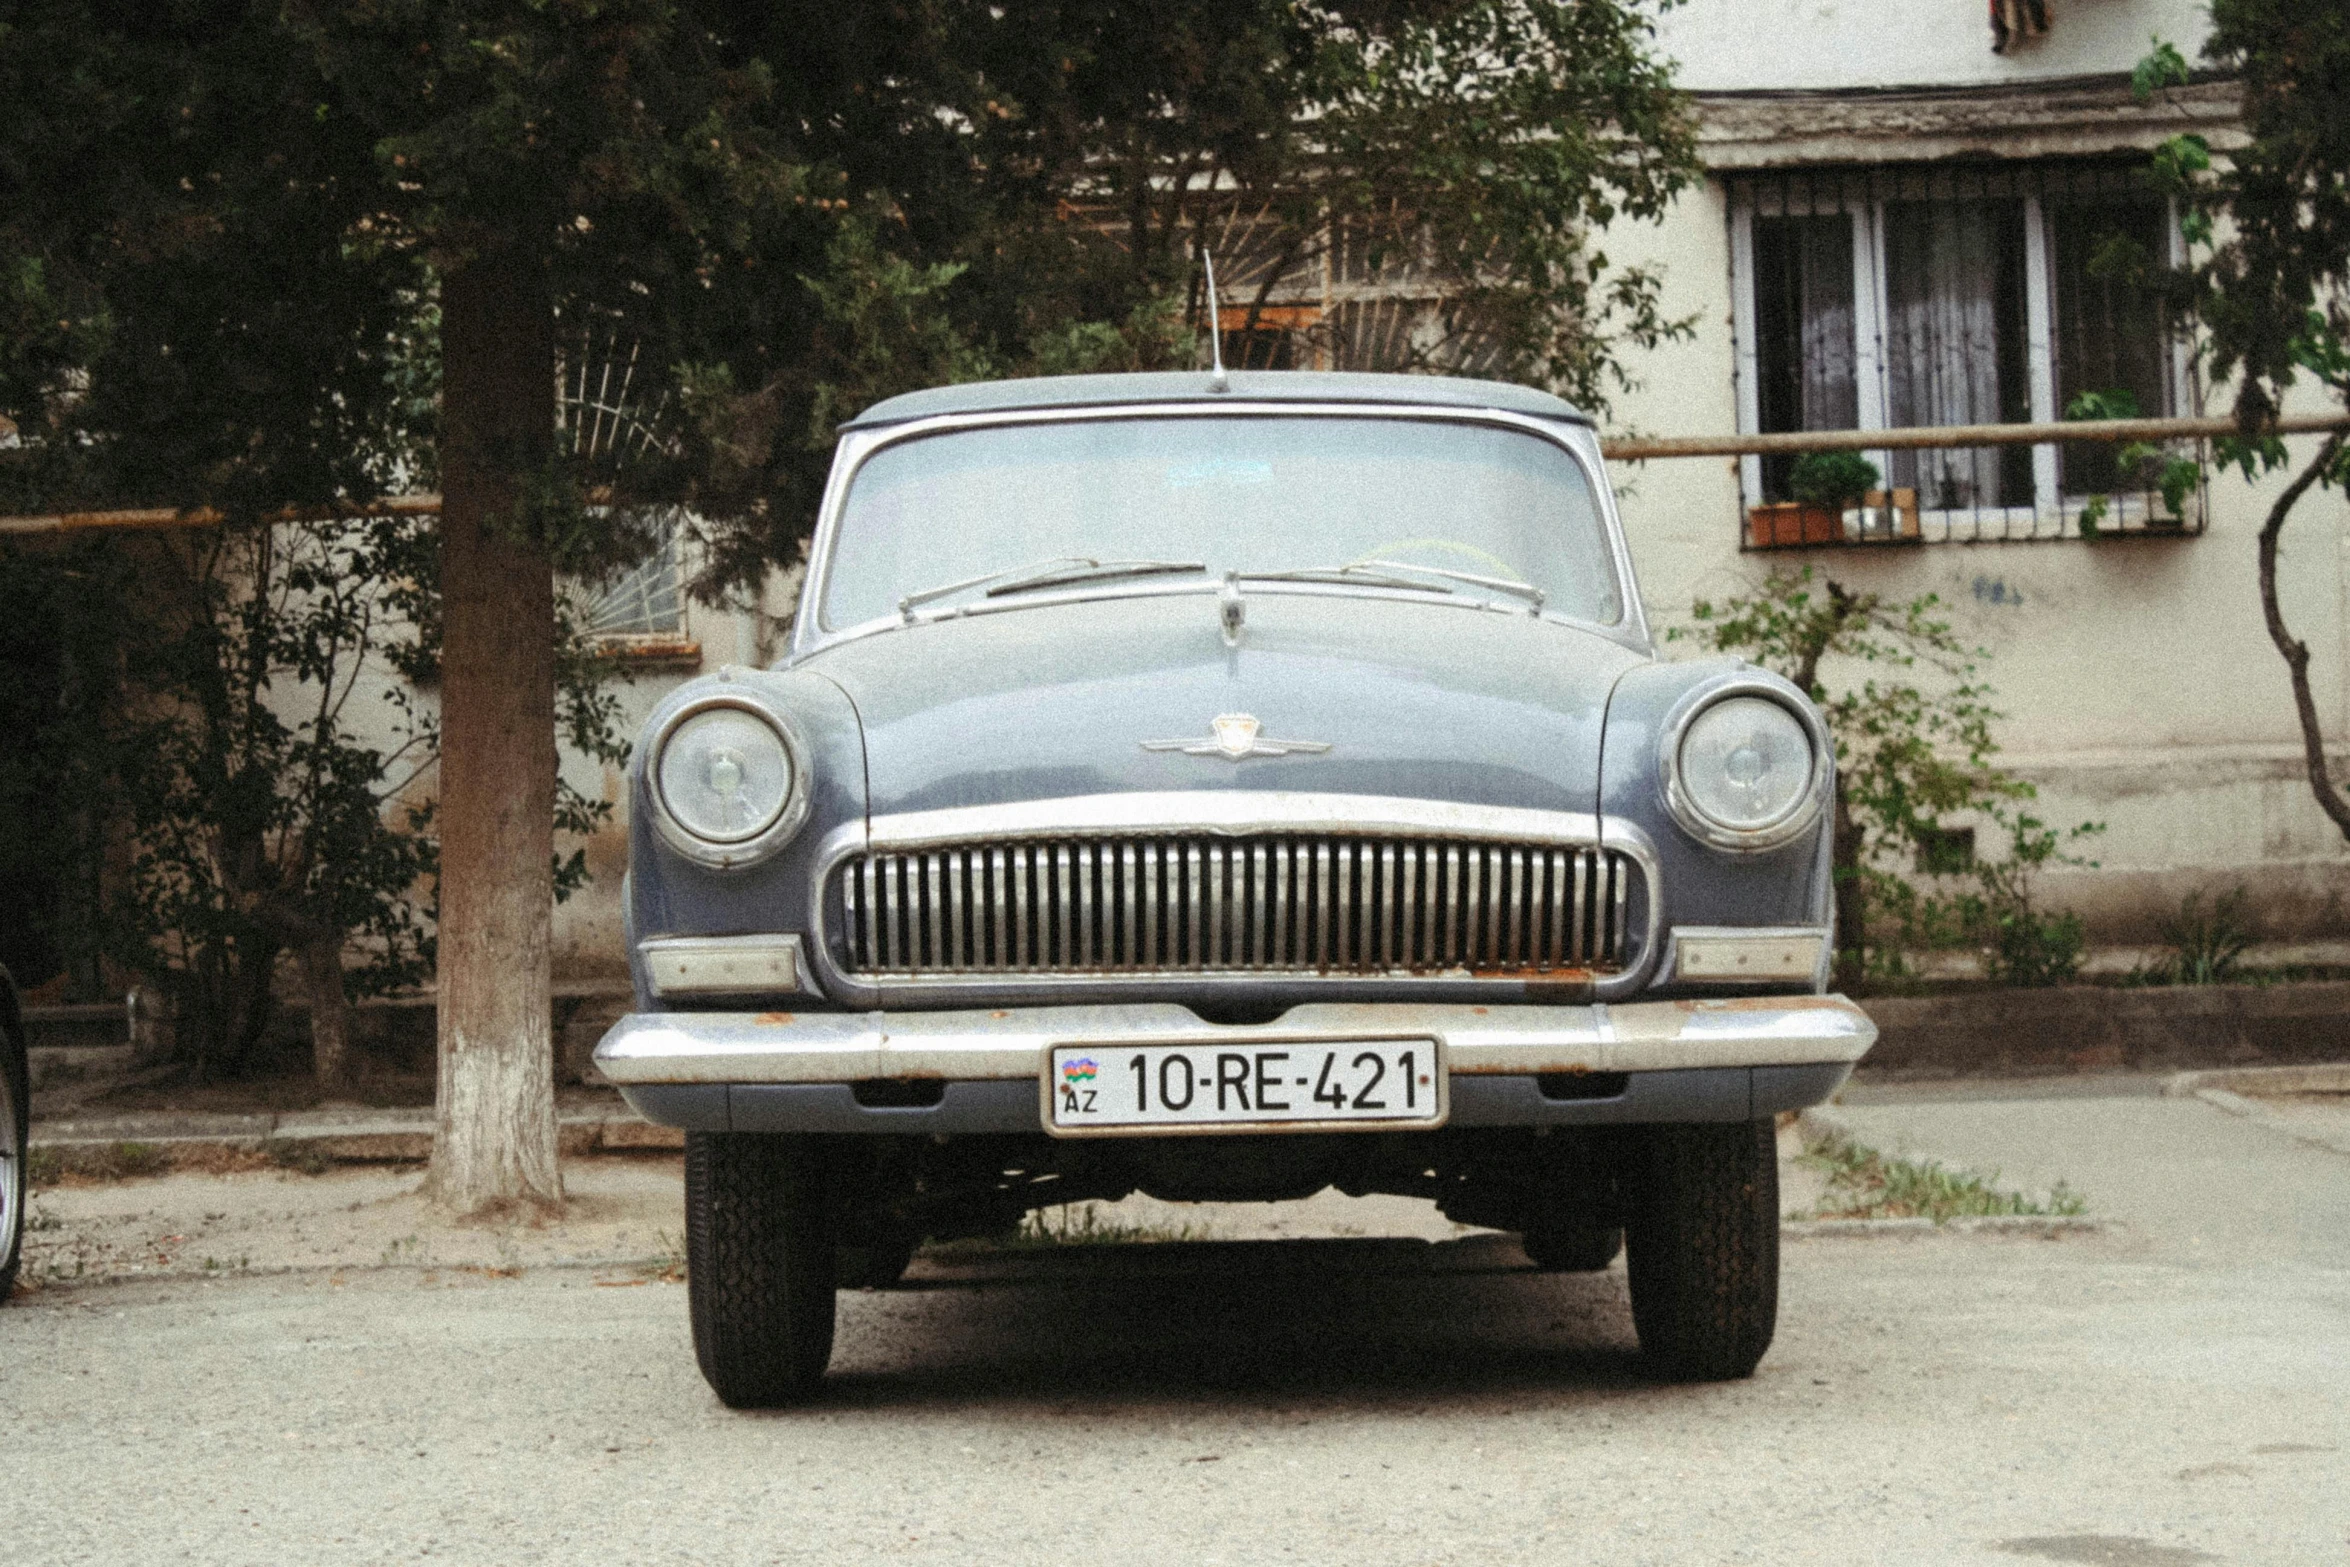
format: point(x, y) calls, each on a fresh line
point(1885, 297)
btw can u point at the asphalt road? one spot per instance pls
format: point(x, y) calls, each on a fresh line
point(2138, 1398)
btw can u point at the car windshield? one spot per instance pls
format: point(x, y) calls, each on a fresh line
point(1257, 495)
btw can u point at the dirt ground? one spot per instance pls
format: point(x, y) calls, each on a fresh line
point(619, 1211)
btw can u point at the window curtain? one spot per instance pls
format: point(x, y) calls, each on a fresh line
point(1954, 344)
point(1804, 354)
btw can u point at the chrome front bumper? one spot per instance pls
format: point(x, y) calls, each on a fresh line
point(1509, 1065)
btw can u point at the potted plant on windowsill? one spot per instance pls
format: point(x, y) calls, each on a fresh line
point(1825, 485)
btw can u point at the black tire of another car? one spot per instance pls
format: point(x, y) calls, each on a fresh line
point(1571, 1248)
point(16, 1103)
point(1704, 1237)
point(759, 1259)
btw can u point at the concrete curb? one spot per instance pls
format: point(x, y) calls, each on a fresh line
point(2104, 1028)
point(2228, 1087)
point(358, 1136)
point(29, 1292)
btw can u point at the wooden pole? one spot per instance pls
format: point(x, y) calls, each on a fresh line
point(205, 517)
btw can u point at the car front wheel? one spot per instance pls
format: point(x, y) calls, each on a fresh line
point(1704, 1241)
point(759, 1258)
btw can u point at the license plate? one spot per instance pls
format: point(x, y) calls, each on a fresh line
point(1273, 1086)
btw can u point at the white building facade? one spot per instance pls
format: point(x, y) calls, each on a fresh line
point(1897, 229)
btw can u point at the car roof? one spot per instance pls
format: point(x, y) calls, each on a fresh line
point(1288, 386)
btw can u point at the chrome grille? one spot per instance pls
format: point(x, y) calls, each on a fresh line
point(1310, 904)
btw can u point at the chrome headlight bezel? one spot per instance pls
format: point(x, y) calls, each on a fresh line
point(729, 855)
point(1789, 825)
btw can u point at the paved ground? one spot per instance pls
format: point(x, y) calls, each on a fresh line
point(2175, 1392)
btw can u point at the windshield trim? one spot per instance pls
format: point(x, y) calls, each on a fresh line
point(858, 447)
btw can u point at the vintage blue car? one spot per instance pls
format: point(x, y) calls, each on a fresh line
point(1226, 788)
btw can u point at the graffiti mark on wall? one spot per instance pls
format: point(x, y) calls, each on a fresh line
point(1994, 590)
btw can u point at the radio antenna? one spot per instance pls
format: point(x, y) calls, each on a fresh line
point(1218, 381)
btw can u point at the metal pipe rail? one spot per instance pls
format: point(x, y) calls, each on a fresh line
point(1621, 448)
point(1640, 448)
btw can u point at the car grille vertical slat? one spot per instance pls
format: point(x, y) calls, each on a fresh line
point(1142, 905)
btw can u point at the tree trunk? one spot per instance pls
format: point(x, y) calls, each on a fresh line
point(494, 1131)
point(2295, 651)
point(330, 1012)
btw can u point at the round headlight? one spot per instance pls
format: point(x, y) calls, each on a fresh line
point(724, 774)
point(1746, 773)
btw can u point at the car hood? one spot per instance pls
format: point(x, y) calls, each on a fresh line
point(1412, 698)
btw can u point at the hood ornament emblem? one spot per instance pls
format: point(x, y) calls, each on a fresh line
point(1238, 736)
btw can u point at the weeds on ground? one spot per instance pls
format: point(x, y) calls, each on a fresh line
point(1073, 1224)
point(1083, 1224)
point(2207, 944)
point(1865, 1184)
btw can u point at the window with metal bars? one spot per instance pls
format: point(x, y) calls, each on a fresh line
point(1906, 297)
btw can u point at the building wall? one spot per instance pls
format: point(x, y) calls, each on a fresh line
point(1775, 45)
point(2138, 680)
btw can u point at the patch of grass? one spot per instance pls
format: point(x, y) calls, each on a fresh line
point(42, 1167)
point(1083, 1224)
point(1070, 1225)
point(1865, 1184)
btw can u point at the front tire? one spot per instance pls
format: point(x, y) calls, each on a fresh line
point(759, 1257)
point(1704, 1237)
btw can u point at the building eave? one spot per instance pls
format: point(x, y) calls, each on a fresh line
point(2070, 117)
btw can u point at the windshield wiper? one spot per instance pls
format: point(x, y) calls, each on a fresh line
point(1342, 574)
point(1398, 574)
point(1524, 590)
point(1052, 572)
point(906, 604)
point(1059, 575)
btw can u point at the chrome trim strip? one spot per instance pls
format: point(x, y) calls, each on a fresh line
point(1013, 1043)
